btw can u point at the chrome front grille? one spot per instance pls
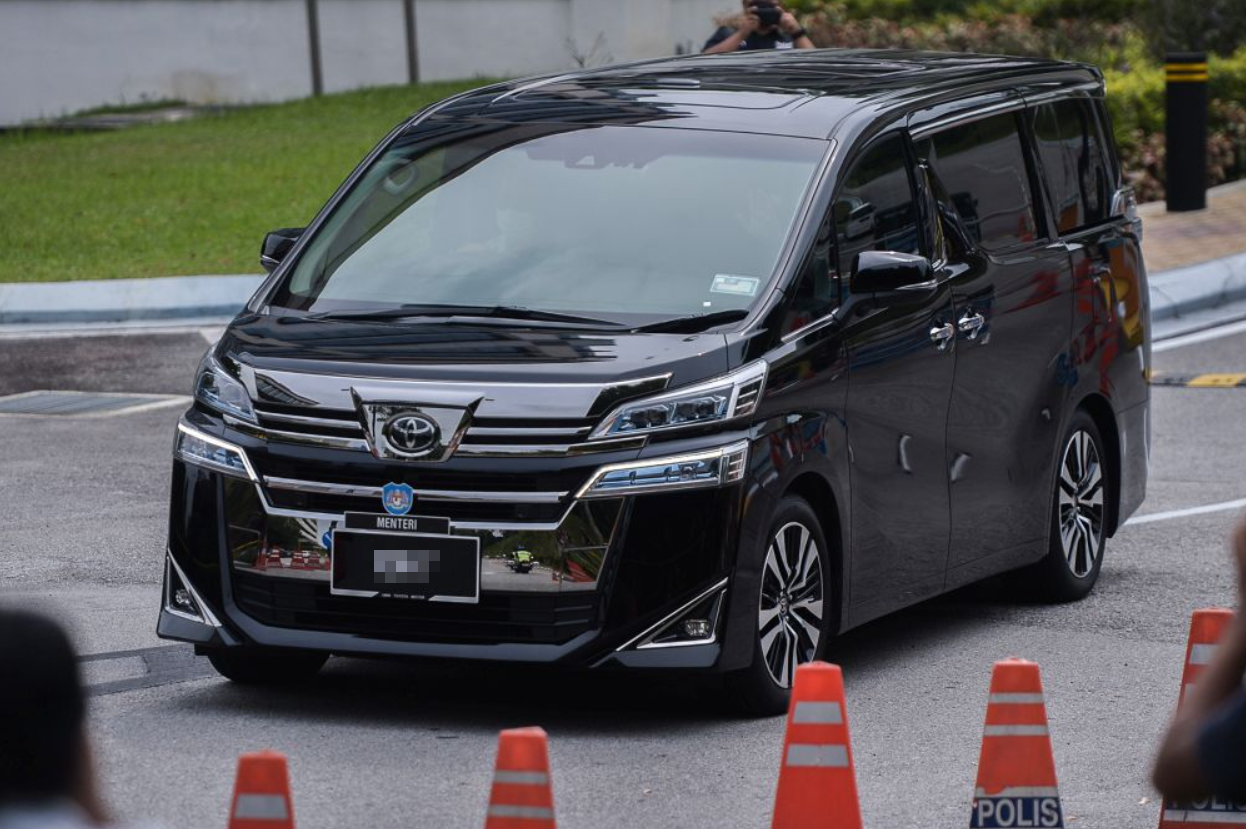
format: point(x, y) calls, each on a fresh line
point(465, 508)
point(485, 437)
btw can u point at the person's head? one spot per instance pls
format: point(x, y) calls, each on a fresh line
point(41, 711)
point(767, 12)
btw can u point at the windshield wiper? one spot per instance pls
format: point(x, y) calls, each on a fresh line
point(436, 310)
point(694, 323)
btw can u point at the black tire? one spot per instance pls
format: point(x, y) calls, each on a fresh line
point(754, 691)
point(266, 666)
point(1075, 548)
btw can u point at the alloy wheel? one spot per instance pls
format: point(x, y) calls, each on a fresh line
point(789, 621)
point(1080, 516)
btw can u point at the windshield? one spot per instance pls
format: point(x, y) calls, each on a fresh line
point(628, 224)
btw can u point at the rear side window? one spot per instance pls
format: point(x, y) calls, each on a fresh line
point(875, 209)
point(1072, 154)
point(982, 165)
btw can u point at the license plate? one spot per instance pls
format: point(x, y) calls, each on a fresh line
point(433, 567)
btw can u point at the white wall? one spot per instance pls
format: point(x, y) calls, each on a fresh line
point(496, 38)
point(60, 56)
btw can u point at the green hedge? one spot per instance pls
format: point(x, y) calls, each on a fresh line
point(1136, 96)
point(1043, 12)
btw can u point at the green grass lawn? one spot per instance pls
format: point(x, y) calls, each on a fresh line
point(194, 197)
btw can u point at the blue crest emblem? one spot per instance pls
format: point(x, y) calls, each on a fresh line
point(397, 498)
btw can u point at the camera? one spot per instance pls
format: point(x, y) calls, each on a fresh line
point(767, 12)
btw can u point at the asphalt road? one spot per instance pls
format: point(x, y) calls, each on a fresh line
point(385, 744)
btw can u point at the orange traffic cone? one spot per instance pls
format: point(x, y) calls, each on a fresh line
point(1016, 770)
point(521, 797)
point(1206, 628)
point(262, 793)
point(817, 786)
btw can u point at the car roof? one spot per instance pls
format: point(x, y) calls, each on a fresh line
point(805, 93)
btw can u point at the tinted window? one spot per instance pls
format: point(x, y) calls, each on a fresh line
point(875, 207)
point(816, 291)
point(1073, 161)
point(982, 165)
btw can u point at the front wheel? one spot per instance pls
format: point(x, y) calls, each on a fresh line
point(793, 609)
point(1079, 517)
point(265, 666)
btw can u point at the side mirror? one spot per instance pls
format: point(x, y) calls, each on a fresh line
point(885, 272)
point(276, 245)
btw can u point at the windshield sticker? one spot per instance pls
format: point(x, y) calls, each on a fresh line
point(725, 283)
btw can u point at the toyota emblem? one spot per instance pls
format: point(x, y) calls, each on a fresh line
point(411, 434)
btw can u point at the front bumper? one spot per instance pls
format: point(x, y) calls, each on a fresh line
point(608, 573)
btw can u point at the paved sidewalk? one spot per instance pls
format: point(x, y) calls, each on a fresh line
point(1176, 240)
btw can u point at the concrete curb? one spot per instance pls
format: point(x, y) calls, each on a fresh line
point(1198, 287)
point(120, 300)
point(1174, 294)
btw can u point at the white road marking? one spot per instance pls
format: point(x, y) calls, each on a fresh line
point(1223, 506)
point(153, 401)
point(1199, 337)
point(40, 331)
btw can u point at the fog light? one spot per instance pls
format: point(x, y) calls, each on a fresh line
point(696, 628)
point(183, 601)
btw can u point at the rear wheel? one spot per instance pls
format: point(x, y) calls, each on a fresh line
point(792, 608)
point(266, 666)
point(1079, 517)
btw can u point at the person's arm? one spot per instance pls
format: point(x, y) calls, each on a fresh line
point(792, 28)
point(731, 43)
point(1178, 771)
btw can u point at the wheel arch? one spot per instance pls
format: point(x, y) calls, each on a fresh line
point(815, 490)
point(1101, 412)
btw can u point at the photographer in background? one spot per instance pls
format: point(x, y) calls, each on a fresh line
point(764, 25)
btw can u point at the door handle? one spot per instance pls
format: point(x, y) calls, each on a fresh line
point(971, 325)
point(941, 335)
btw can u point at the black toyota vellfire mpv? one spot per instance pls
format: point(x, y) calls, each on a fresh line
point(685, 365)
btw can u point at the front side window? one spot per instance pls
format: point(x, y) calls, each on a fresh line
point(982, 165)
point(815, 292)
point(629, 224)
point(1073, 162)
point(875, 209)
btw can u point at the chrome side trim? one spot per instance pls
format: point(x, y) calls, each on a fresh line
point(1063, 92)
point(810, 327)
point(968, 116)
point(657, 628)
point(208, 617)
point(352, 490)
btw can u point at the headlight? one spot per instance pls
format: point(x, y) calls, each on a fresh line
point(732, 395)
point(198, 448)
point(716, 467)
point(216, 387)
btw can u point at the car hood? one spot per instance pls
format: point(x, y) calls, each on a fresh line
point(332, 363)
